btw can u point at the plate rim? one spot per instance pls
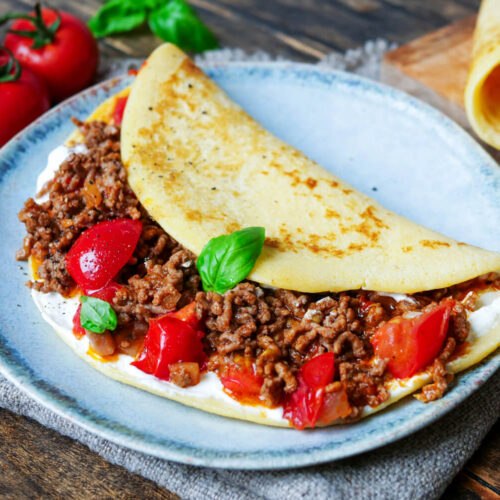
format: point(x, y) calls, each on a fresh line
point(22, 377)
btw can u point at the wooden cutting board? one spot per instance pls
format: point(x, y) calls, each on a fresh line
point(434, 67)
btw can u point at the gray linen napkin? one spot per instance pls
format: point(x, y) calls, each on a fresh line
point(419, 466)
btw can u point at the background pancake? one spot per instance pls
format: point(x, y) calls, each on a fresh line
point(482, 93)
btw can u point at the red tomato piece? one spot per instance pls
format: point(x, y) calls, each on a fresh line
point(188, 314)
point(21, 99)
point(364, 303)
point(78, 330)
point(120, 104)
point(335, 405)
point(412, 344)
point(319, 371)
point(101, 251)
point(302, 407)
point(169, 340)
point(243, 383)
point(67, 61)
point(107, 293)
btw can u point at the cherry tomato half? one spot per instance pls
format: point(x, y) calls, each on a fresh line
point(78, 330)
point(67, 58)
point(119, 109)
point(101, 251)
point(319, 371)
point(302, 408)
point(242, 382)
point(188, 314)
point(411, 344)
point(169, 340)
point(335, 405)
point(22, 99)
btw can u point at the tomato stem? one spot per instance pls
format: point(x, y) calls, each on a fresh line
point(42, 34)
point(6, 74)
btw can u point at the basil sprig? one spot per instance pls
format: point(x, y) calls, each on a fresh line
point(117, 16)
point(177, 22)
point(171, 20)
point(97, 315)
point(228, 259)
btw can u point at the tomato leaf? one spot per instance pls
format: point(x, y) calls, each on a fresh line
point(118, 16)
point(41, 34)
point(227, 259)
point(6, 74)
point(176, 22)
point(97, 315)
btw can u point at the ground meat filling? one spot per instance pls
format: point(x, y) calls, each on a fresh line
point(91, 187)
point(281, 330)
point(278, 330)
point(88, 188)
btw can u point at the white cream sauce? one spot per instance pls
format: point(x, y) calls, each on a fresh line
point(59, 312)
point(486, 315)
point(398, 297)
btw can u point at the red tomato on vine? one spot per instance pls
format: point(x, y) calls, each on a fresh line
point(55, 45)
point(23, 96)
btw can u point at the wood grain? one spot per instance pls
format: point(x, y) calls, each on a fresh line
point(300, 29)
point(439, 60)
point(480, 478)
point(486, 462)
point(434, 67)
point(36, 462)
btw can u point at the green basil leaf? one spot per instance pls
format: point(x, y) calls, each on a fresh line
point(117, 16)
point(226, 260)
point(97, 315)
point(176, 22)
point(154, 4)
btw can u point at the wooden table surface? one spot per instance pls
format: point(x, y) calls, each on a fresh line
point(36, 462)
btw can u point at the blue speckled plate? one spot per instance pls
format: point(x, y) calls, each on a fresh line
point(402, 152)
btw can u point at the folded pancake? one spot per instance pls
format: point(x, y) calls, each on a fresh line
point(181, 137)
point(482, 92)
point(203, 167)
